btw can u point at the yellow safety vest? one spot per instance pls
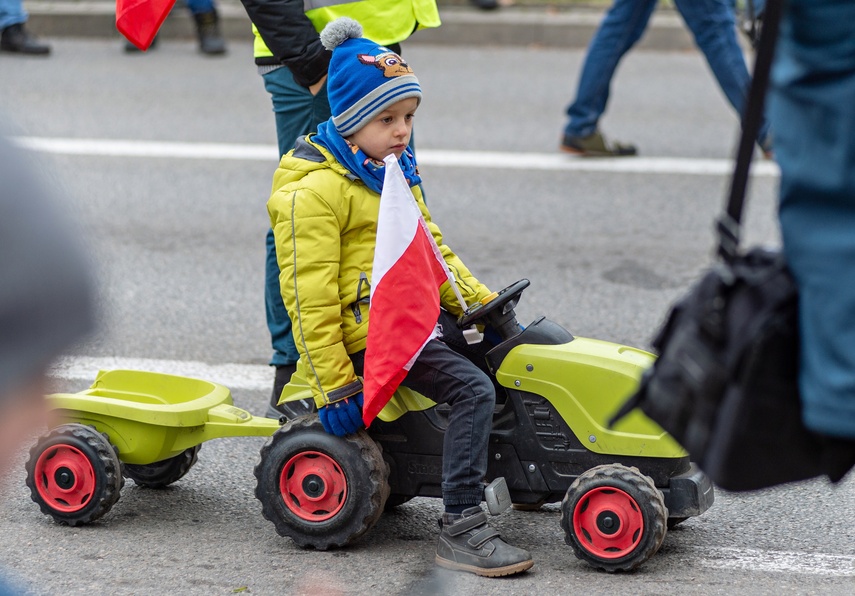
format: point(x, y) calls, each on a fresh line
point(383, 21)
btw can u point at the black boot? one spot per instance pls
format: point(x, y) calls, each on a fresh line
point(468, 543)
point(211, 41)
point(15, 38)
point(291, 409)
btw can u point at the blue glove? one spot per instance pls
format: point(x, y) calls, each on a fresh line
point(343, 417)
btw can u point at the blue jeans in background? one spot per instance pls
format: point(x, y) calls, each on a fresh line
point(12, 13)
point(297, 113)
point(713, 25)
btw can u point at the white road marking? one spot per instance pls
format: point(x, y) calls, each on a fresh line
point(747, 559)
point(429, 157)
point(233, 376)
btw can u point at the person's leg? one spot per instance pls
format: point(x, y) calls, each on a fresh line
point(297, 112)
point(12, 13)
point(713, 25)
point(466, 542)
point(445, 376)
point(207, 21)
point(813, 115)
point(200, 6)
point(278, 322)
point(14, 36)
point(621, 28)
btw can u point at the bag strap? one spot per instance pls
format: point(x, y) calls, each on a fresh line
point(728, 225)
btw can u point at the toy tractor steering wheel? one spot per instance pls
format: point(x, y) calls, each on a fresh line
point(498, 312)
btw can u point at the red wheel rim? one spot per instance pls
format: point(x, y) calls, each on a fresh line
point(313, 486)
point(608, 522)
point(65, 478)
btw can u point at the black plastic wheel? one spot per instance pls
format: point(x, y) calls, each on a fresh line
point(614, 517)
point(74, 474)
point(162, 473)
point(320, 490)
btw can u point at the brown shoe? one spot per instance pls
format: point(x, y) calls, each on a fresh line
point(595, 145)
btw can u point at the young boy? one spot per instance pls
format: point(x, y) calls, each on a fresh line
point(323, 211)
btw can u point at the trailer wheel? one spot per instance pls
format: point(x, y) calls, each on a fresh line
point(74, 474)
point(614, 517)
point(162, 473)
point(320, 490)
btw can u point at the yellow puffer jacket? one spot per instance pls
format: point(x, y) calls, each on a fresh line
point(325, 224)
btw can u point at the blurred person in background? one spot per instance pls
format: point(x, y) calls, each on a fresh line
point(47, 300)
point(713, 25)
point(812, 107)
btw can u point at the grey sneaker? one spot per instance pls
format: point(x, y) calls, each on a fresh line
point(468, 543)
point(595, 145)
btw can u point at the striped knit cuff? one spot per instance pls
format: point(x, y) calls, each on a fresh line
point(361, 113)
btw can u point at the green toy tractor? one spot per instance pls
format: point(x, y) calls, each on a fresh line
point(620, 488)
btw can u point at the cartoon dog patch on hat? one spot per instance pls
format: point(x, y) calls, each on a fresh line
point(389, 62)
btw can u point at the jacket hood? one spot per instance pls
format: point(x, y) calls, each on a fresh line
point(308, 156)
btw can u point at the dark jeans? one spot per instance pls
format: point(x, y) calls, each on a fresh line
point(449, 371)
point(812, 100)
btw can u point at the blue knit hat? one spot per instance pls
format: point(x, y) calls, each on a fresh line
point(364, 78)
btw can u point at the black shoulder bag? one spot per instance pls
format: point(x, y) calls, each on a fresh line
point(725, 384)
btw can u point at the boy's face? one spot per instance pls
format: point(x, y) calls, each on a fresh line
point(389, 132)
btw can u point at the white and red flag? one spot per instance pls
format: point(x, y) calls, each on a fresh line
point(408, 271)
point(140, 20)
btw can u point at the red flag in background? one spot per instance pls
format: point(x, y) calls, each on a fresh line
point(140, 20)
point(408, 270)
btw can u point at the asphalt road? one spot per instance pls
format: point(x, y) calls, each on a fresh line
point(179, 246)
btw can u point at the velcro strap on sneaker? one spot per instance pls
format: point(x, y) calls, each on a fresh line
point(483, 536)
point(467, 523)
